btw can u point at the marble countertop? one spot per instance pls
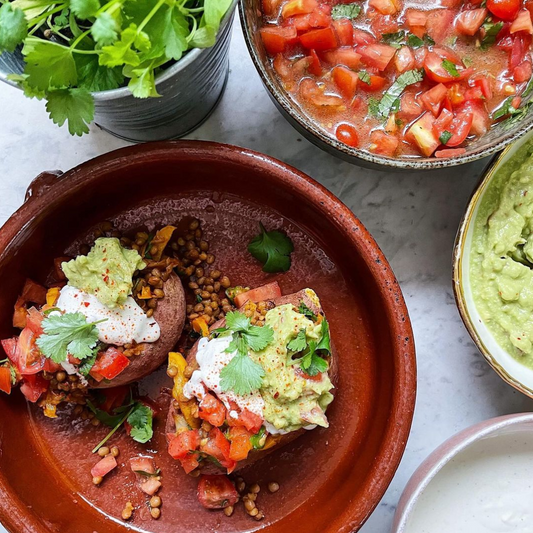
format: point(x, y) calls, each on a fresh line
point(413, 217)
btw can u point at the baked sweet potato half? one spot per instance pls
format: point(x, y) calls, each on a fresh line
point(217, 429)
point(170, 315)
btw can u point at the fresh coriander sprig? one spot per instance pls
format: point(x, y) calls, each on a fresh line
point(68, 334)
point(241, 374)
point(273, 249)
point(312, 361)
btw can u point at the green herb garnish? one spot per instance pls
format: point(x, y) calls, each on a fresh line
point(396, 39)
point(312, 362)
point(273, 249)
point(243, 375)
point(450, 68)
point(13, 27)
point(414, 42)
point(298, 343)
point(68, 334)
point(364, 76)
point(390, 102)
point(491, 30)
point(345, 11)
point(445, 136)
point(303, 309)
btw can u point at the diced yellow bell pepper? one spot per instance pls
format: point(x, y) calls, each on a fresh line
point(160, 241)
point(52, 296)
point(187, 406)
point(145, 294)
point(200, 326)
point(271, 441)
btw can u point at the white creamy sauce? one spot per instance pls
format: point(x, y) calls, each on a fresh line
point(488, 488)
point(122, 325)
point(212, 358)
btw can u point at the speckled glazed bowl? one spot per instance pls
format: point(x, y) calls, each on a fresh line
point(507, 367)
point(493, 433)
point(495, 140)
point(331, 479)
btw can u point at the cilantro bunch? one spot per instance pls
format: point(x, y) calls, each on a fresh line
point(310, 353)
point(75, 47)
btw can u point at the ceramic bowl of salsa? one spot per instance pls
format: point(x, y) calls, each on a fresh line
point(391, 84)
point(228, 189)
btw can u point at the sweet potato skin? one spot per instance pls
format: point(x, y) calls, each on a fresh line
point(170, 315)
point(254, 455)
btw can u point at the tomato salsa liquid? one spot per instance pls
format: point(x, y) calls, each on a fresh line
point(402, 78)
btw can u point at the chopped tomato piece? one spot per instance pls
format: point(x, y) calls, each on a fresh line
point(311, 92)
point(404, 59)
point(474, 93)
point(468, 22)
point(282, 66)
point(322, 39)
point(33, 387)
point(182, 444)
point(480, 118)
point(104, 466)
point(5, 379)
point(298, 7)
point(439, 24)
point(383, 143)
point(385, 7)
point(375, 83)
point(344, 30)
point(314, 64)
point(450, 152)
point(519, 50)
point(456, 93)
point(435, 67)
point(20, 314)
point(347, 134)
point(433, 98)
point(522, 23)
point(150, 486)
point(270, 291)
point(409, 107)
point(484, 85)
point(342, 56)
point(320, 17)
point(212, 410)
point(276, 39)
point(34, 321)
point(217, 492)
point(142, 464)
point(362, 37)
point(10, 347)
point(384, 24)
point(30, 360)
point(504, 9)
point(189, 463)
point(240, 443)
point(522, 72)
point(345, 80)
point(251, 421)
point(460, 127)
point(218, 446)
point(422, 136)
point(416, 21)
point(442, 122)
point(109, 364)
point(377, 55)
point(270, 7)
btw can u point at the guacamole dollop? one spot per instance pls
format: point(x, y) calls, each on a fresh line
point(287, 395)
point(501, 269)
point(106, 271)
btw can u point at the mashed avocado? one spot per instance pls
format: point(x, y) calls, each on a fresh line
point(501, 270)
point(106, 271)
point(287, 394)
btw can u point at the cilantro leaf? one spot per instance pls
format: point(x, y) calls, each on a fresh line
point(94, 77)
point(298, 343)
point(414, 41)
point(238, 344)
point(259, 337)
point(304, 310)
point(445, 136)
point(204, 37)
point(13, 27)
point(13, 373)
point(237, 321)
point(73, 105)
point(490, 31)
point(241, 375)
point(106, 418)
point(214, 10)
point(87, 364)
point(246, 336)
point(450, 68)
point(311, 363)
point(390, 101)
point(105, 29)
point(67, 334)
point(345, 11)
point(141, 420)
point(325, 340)
point(396, 39)
point(429, 40)
point(142, 82)
point(84, 9)
point(126, 51)
point(48, 65)
point(175, 34)
point(273, 249)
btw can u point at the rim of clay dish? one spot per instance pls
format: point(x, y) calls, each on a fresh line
point(307, 124)
point(179, 65)
point(15, 515)
point(459, 253)
point(442, 455)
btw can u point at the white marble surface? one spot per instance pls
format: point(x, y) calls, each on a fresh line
point(413, 218)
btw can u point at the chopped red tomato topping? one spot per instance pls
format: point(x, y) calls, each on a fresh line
point(104, 466)
point(212, 410)
point(217, 492)
point(270, 291)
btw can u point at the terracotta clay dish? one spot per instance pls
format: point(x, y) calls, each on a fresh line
point(330, 479)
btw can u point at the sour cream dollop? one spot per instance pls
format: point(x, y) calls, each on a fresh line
point(122, 325)
point(212, 358)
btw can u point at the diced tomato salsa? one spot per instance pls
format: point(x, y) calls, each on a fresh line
point(398, 78)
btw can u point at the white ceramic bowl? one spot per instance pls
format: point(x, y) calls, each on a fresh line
point(488, 440)
point(509, 369)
